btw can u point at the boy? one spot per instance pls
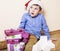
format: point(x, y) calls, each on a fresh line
point(33, 22)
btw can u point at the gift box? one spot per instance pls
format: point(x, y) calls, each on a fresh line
point(16, 39)
point(18, 33)
point(16, 47)
point(11, 32)
point(13, 42)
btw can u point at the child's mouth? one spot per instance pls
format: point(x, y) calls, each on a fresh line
point(32, 13)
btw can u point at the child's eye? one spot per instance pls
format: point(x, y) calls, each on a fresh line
point(36, 9)
point(30, 7)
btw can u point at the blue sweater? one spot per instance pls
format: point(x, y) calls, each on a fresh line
point(34, 25)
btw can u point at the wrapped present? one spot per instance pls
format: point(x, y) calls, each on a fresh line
point(16, 39)
point(16, 47)
point(18, 32)
point(11, 32)
point(13, 41)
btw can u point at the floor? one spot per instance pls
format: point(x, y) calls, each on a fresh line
point(56, 36)
point(56, 40)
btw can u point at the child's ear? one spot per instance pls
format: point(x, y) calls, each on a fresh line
point(40, 11)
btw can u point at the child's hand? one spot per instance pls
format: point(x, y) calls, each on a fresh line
point(53, 39)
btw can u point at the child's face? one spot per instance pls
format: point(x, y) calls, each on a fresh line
point(34, 10)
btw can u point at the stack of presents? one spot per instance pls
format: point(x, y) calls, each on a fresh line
point(16, 39)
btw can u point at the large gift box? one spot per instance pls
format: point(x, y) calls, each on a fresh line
point(16, 39)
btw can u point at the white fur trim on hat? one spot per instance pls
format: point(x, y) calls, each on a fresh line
point(34, 2)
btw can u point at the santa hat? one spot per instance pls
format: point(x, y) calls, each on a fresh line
point(31, 2)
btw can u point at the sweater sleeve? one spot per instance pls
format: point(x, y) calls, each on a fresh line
point(23, 21)
point(45, 27)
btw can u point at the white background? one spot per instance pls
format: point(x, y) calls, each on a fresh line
point(12, 10)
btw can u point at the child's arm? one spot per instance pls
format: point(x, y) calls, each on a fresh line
point(45, 27)
point(23, 22)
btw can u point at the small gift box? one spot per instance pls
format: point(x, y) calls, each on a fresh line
point(17, 33)
point(11, 32)
point(16, 47)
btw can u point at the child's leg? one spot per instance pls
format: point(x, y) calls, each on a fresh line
point(31, 42)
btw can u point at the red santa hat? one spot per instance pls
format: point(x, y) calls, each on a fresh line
point(31, 2)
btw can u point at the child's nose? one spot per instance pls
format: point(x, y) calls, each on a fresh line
point(32, 10)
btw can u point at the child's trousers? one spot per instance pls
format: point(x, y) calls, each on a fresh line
point(32, 40)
